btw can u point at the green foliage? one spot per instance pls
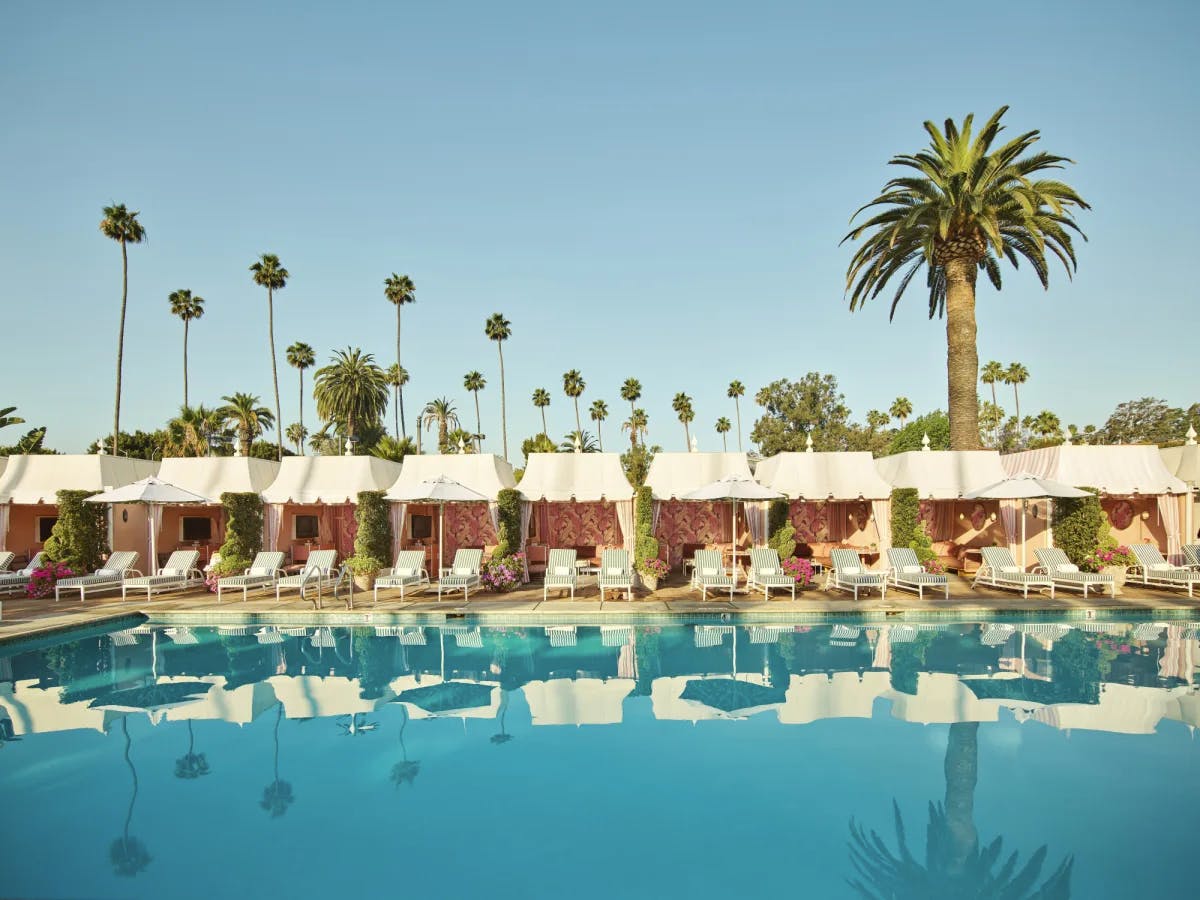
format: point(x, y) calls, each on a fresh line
point(936, 424)
point(266, 450)
point(539, 443)
point(374, 536)
point(79, 539)
point(1148, 421)
point(509, 514)
point(1078, 523)
point(388, 447)
point(139, 445)
point(30, 444)
point(243, 529)
point(906, 509)
point(636, 463)
point(229, 565)
point(796, 409)
point(365, 565)
point(922, 544)
point(782, 534)
point(646, 545)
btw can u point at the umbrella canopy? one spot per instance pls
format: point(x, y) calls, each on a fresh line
point(440, 490)
point(731, 695)
point(449, 696)
point(1025, 487)
point(153, 697)
point(734, 486)
point(155, 494)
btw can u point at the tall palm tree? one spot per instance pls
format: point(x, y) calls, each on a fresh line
point(876, 420)
point(631, 392)
point(682, 404)
point(736, 391)
point(296, 433)
point(300, 356)
point(400, 290)
point(581, 440)
point(499, 329)
point(121, 225)
point(967, 205)
point(1016, 375)
point(598, 413)
point(901, 409)
point(723, 427)
point(277, 796)
point(541, 399)
point(269, 273)
point(475, 382)
point(387, 447)
point(397, 378)
point(573, 387)
point(991, 373)
point(243, 412)
point(442, 413)
point(188, 308)
point(636, 425)
point(351, 391)
point(127, 854)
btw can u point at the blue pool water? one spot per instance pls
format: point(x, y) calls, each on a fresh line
point(628, 761)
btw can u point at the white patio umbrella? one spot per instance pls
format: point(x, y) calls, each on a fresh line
point(1025, 487)
point(155, 494)
point(440, 490)
point(733, 487)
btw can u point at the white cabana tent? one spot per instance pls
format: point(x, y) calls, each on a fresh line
point(577, 701)
point(582, 478)
point(672, 475)
point(1184, 463)
point(154, 494)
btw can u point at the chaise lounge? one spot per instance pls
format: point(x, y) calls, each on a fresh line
point(766, 572)
point(1055, 564)
point(906, 572)
point(262, 574)
point(1154, 571)
point(847, 573)
point(463, 574)
point(319, 571)
point(560, 573)
point(616, 573)
point(409, 571)
point(1000, 570)
point(108, 578)
point(16, 581)
point(179, 572)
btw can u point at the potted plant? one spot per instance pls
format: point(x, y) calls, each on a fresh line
point(372, 540)
point(800, 569)
point(650, 571)
point(1110, 558)
point(365, 570)
point(502, 574)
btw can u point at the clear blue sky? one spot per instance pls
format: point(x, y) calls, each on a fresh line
point(649, 190)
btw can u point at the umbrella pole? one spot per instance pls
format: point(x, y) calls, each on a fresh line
point(441, 537)
point(153, 539)
point(1024, 513)
point(733, 565)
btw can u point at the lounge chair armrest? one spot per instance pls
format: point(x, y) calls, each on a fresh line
point(131, 573)
point(246, 571)
point(1039, 570)
point(194, 573)
point(388, 571)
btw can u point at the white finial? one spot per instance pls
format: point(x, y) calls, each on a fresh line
point(695, 444)
point(578, 443)
point(1067, 441)
point(808, 445)
point(1191, 435)
point(925, 442)
point(349, 448)
point(462, 447)
point(237, 445)
point(103, 452)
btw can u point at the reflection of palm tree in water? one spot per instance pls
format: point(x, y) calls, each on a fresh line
point(503, 737)
point(277, 796)
point(127, 854)
point(191, 765)
point(405, 771)
point(955, 866)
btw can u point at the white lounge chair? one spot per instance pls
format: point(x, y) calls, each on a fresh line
point(847, 573)
point(560, 572)
point(16, 581)
point(320, 571)
point(616, 573)
point(1054, 562)
point(710, 574)
point(115, 569)
point(261, 575)
point(1154, 571)
point(562, 635)
point(179, 572)
point(409, 571)
point(766, 572)
point(1191, 553)
point(463, 574)
point(905, 571)
point(6, 558)
point(1000, 570)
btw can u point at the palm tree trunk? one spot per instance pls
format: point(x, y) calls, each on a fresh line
point(737, 406)
point(600, 435)
point(578, 424)
point(274, 377)
point(120, 344)
point(246, 439)
point(302, 412)
point(544, 431)
point(994, 403)
point(478, 424)
point(962, 356)
point(962, 772)
point(1017, 401)
point(399, 397)
point(503, 402)
point(443, 435)
point(185, 384)
point(687, 438)
point(724, 442)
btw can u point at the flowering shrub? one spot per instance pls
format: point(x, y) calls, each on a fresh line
point(220, 568)
point(799, 568)
point(1102, 556)
point(503, 573)
point(45, 577)
point(653, 568)
point(935, 567)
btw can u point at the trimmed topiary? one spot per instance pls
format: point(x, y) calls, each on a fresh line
point(79, 539)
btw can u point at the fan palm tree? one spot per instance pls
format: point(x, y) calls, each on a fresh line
point(351, 391)
point(388, 447)
point(270, 273)
point(300, 356)
point(636, 426)
point(1047, 424)
point(188, 308)
point(400, 290)
point(736, 391)
point(243, 412)
point(723, 427)
point(296, 433)
point(127, 854)
point(442, 413)
point(968, 204)
point(573, 387)
point(876, 420)
point(1016, 375)
point(475, 382)
point(405, 771)
point(598, 413)
point(191, 765)
point(397, 378)
point(541, 399)
point(121, 225)
point(499, 329)
point(991, 373)
point(631, 392)
point(682, 404)
point(277, 796)
point(194, 431)
point(901, 409)
point(578, 440)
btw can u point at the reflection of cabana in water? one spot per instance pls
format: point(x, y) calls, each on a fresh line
point(29, 502)
point(1141, 498)
point(450, 698)
point(941, 478)
point(1122, 709)
point(310, 504)
point(317, 696)
point(577, 701)
point(837, 499)
point(684, 526)
point(240, 705)
point(38, 710)
point(580, 500)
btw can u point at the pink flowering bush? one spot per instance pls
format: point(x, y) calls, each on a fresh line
point(653, 568)
point(503, 573)
point(799, 568)
point(935, 567)
point(45, 577)
point(1104, 555)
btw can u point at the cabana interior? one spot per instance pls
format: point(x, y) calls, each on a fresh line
point(1184, 463)
point(684, 526)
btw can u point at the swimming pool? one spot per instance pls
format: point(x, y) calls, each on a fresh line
point(702, 760)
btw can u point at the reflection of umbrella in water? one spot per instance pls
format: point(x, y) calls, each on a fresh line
point(731, 695)
point(448, 697)
point(152, 697)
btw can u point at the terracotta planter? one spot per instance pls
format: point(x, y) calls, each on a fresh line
point(364, 583)
point(1118, 573)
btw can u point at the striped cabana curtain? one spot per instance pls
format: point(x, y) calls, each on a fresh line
point(1168, 514)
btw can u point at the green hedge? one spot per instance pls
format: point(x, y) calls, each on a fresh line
point(243, 530)
point(79, 539)
point(509, 515)
point(373, 540)
point(1078, 523)
point(646, 545)
point(906, 511)
point(781, 534)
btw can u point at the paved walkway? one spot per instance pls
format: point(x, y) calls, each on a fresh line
point(25, 618)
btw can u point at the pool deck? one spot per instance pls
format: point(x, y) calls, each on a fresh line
point(22, 618)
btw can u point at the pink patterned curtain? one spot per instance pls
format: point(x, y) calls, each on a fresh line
point(582, 524)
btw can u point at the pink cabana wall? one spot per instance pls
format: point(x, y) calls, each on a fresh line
point(336, 529)
point(1136, 520)
point(467, 525)
point(571, 524)
point(682, 522)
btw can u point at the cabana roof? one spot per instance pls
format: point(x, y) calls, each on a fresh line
point(585, 477)
point(329, 479)
point(941, 474)
point(1114, 469)
point(846, 475)
point(672, 475)
point(212, 476)
point(484, 473)
point(1183, 462)
point(38, 478)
